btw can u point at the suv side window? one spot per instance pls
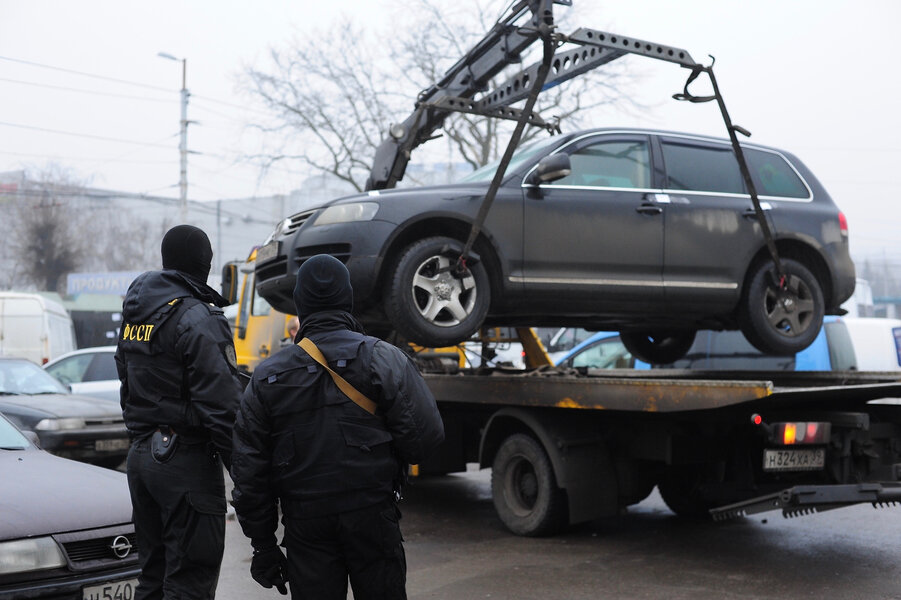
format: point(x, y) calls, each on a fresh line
point(701, 168)
point(773, 176)
point(615, 164)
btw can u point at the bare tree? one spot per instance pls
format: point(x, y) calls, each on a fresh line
point(332, 103)
point(58, 226)
point(46, 229)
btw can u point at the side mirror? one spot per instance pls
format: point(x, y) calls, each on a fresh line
point(550, 168)
point(230, 282)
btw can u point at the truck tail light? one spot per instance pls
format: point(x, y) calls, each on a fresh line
point(843, 224)
point(790, 434)
point(795, 433)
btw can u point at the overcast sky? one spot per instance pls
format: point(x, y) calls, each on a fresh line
point(819, 78)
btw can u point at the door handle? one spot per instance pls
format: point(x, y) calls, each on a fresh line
point(752, 214)
point(649, 209)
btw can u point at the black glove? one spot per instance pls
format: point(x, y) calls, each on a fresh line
point(268, 568)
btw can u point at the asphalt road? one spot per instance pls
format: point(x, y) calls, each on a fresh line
point(457, 549)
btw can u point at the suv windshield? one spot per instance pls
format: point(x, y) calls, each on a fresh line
point(521, 155)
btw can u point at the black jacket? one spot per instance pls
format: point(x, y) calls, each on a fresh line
point(299, 440)
point(176, 360)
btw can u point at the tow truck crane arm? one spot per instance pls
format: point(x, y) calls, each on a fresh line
point(504, 45)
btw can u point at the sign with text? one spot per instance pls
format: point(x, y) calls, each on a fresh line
point(115, 282)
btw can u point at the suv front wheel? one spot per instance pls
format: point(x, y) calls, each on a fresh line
point(431, 304)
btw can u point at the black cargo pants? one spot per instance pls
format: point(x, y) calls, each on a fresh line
point(365, 545)
point(179, 514)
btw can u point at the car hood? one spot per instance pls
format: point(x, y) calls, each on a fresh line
point(44, 494)
point(451, 191)
point(66, 405)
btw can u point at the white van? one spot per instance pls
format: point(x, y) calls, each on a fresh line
point(877, 343)
point(34, 327)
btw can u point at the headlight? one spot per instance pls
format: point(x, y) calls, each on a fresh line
point(30, 555)
point(60, 424)
point(345, 213)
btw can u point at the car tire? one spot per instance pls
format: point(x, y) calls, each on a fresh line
point(658, 348)
point(524, 489)
point(430, 305)
point(781, 322)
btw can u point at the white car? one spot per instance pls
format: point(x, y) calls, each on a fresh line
point(89, 371)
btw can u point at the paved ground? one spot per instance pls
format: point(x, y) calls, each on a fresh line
point(457, 549)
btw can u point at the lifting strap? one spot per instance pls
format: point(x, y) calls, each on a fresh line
point(742, 162)
point(350, 391)
point(549, 47)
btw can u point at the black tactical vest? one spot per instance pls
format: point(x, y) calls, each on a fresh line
point(157, 390)
point(329, 455)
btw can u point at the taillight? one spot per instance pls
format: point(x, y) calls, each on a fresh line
point(795, 433)
point(790, 434)
point(843, 223)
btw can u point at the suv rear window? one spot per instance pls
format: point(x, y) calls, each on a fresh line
point(715, 169)
point(773, 176)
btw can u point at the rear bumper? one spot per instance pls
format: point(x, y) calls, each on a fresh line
point(806, 499)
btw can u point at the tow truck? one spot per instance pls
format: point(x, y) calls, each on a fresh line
point(569, 446)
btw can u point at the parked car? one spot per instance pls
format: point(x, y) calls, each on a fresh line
point(649, 233)
point(90, 371)
point(34, 327)
point(75, 426)
point(877, 343)
point(66, 529)
point(831, 350)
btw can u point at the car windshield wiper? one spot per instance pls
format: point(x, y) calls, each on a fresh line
point(5, 393)
point(42, 392)
point(12, 447)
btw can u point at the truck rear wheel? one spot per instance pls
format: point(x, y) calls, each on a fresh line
point(679, 489)
point(524, 488)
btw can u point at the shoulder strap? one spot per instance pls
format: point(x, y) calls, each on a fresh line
point(350, 391)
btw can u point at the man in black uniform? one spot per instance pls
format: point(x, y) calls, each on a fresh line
point(180, 389)
point(333, 465)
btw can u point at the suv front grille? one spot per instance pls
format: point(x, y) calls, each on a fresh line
point(296, 221)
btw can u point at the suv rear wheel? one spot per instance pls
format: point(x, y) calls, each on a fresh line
point(431, 305)
point(781, 320)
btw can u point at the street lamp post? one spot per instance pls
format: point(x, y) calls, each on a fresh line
point(183, 140)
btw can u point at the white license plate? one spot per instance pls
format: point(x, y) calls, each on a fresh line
point(268, 251)
point(111, 445)
point(794, 460)
point(115, 590)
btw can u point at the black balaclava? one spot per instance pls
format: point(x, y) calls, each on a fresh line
point(187, 249)
point(323, 283)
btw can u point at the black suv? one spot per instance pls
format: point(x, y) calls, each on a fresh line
point(649, 233)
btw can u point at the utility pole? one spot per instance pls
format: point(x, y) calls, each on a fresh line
point(183, 138)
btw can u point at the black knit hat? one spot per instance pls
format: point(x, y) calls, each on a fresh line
point(323, 283)
point(187, 249)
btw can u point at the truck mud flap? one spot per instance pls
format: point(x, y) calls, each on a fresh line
point(807, 499)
